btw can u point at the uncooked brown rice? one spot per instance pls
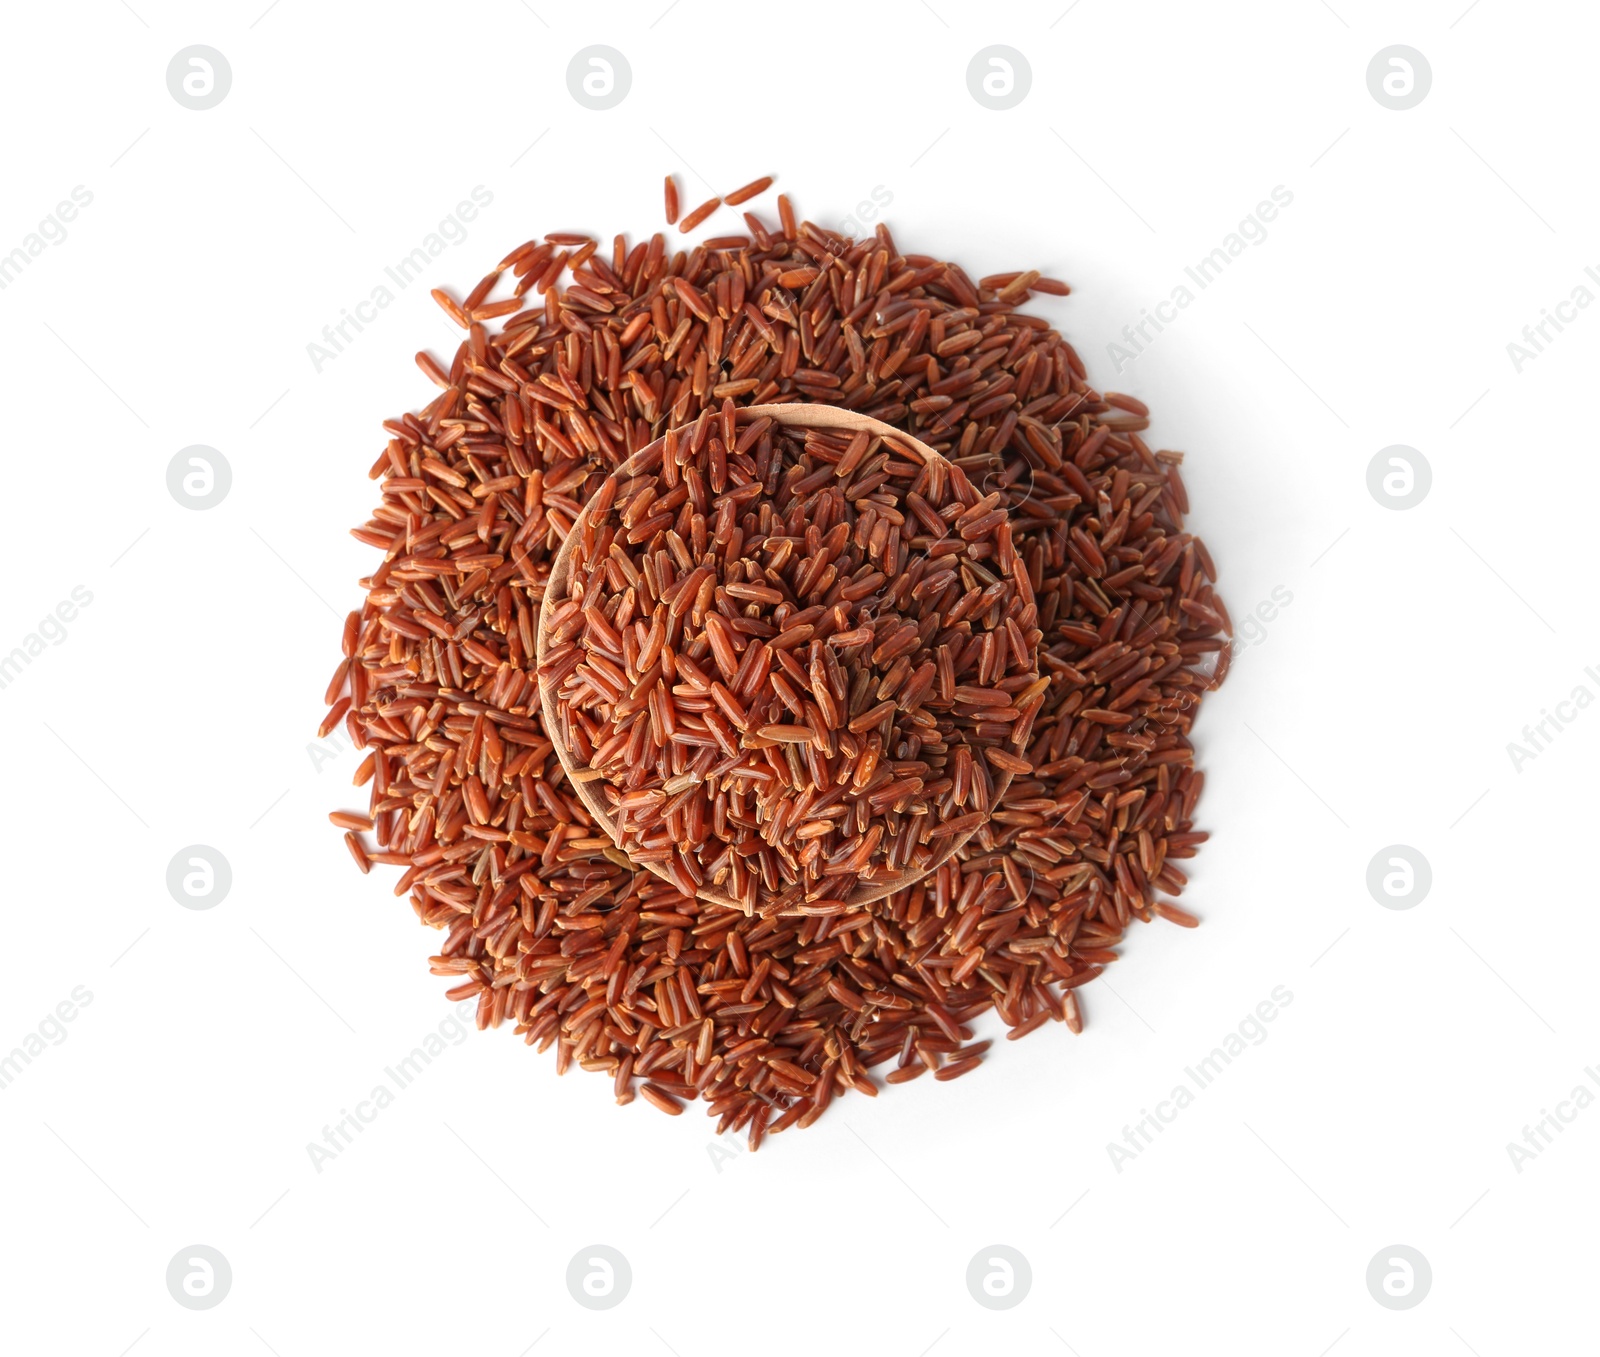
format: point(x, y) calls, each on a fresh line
point(699, 214)
point(545, 922)
point(808, 693)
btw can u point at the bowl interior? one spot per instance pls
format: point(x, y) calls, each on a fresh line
point(588, 781)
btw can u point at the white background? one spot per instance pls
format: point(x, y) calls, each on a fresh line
point(181, 705)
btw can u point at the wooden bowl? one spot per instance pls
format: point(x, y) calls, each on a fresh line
point(587, 780)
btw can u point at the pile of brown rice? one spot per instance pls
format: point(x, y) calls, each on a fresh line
point(547, 921)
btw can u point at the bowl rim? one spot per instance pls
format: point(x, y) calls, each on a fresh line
point(584, 779)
